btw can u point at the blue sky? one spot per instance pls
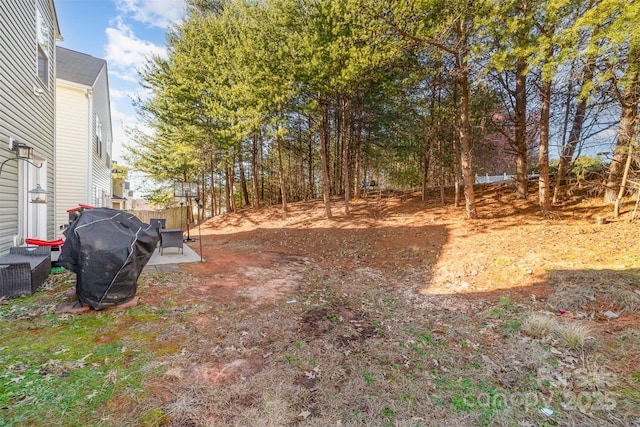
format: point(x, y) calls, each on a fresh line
point(124, 33)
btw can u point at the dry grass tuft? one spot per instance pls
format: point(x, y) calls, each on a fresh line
point(572, 334)
point(622, 296)
point(538, 325)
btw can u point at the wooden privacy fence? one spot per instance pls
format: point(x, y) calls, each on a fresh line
point(173, 216)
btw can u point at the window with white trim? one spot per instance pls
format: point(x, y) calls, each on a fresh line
point(99, 142)
point(42, 35)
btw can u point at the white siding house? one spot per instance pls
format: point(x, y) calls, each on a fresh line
point(28, 35)
point(119, 187)
point(83, 134)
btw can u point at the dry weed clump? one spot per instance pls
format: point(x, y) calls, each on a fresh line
point(571, 296)
point(598, 291)
point(622, 296)
point(594, 376)
point(526, 354)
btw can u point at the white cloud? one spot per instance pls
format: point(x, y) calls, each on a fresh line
point(158, 13)
point(118, 94)
point(120, 116)
point(126, 53)
point(119, 135)
point(128, 76)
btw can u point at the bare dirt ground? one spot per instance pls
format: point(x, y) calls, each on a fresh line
point(402, 313)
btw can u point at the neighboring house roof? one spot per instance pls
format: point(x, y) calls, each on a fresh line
point(78, 67)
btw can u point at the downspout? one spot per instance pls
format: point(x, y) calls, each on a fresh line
point(54, 232)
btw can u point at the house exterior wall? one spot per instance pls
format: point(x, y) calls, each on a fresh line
point(27, 115)
point(73, 138)
point(101, 157)
point(118, 200)
point(84, 138)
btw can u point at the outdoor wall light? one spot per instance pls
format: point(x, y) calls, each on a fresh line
point(23, 152)
point(37, 91)
point(38, 194)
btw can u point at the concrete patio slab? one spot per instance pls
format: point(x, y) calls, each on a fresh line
point(170, 258)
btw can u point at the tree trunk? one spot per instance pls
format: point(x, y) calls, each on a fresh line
point(212, 177)
point(323, 159)
point(544, 187)
point(337, 168)
point(443, 199)
point(456, 163)
point(358, 151)
point(261, 165)
point(429, 145)
point(456, 170)
point(440, 139)
point(465, 153)
point(520, 118)
point(203, 196)
point(623, 185)
point(227, 187)
point(283, 188)
point(627, 130)
point(243, 179)
point(569, 97)
point(220, 193)
point(232, 183)
point(311, 184)
point(301, 178)
point(425, 170)
point(569, 149)
point(254, 171)
point(346, 115)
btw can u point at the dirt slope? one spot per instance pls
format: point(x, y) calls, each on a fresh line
point(404, 313)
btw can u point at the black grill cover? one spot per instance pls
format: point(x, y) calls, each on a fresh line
point(107, 249)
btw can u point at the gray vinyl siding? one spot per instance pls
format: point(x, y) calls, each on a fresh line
point(24, 116)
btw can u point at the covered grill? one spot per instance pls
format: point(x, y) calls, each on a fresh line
point(107, 249)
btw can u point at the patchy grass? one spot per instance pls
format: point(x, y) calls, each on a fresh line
point(55, 365)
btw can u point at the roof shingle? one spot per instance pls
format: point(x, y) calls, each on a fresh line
point(78, 67)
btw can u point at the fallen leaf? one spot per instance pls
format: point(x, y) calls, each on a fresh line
point(304, 415)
